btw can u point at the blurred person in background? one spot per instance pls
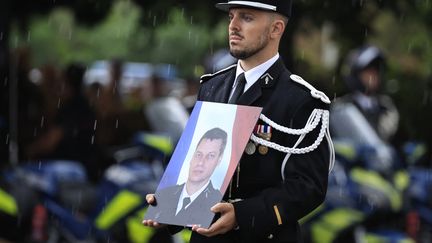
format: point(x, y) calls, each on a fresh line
point(116, 123)
point(71, 136)
point(364, 75)
point(165, 112)
point(30, 102)
point(106, 101)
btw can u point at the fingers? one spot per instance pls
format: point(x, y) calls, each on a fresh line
point(150, 198)
point(220, 207)
point(224, 224)
point(152, 223)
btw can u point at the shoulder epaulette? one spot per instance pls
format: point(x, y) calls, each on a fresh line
point(314, 92)
point(208, 76)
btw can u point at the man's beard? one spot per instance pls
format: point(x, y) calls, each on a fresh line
point(248, 52)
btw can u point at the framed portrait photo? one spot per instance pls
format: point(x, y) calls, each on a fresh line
point(203, 162)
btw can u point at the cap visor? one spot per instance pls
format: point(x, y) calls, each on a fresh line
point(245, 4)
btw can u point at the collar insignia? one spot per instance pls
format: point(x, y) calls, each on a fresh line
point(267, 77)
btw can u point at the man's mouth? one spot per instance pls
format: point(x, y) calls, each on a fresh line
point(235, 37)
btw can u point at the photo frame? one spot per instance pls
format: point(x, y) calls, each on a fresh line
point(203, 162)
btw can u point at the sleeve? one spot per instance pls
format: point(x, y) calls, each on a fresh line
point(303, 189)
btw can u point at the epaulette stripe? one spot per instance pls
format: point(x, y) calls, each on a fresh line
point(220, 71)
point(314, 92)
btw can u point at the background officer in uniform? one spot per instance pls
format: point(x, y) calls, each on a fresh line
point(364, 74)
point(267, 197)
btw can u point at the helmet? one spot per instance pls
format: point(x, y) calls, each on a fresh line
point(359, 60)
point(219, 60)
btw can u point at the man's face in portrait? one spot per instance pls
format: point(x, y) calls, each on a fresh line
point(207, 156)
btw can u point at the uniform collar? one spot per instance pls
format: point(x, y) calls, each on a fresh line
point(255, 73)
point(192, 197)
point(265, 81)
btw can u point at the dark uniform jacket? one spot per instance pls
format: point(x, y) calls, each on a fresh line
point(270, 207)
point(197, 212)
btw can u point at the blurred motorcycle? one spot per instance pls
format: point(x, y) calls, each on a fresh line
point(366, 196)
point(71, 209)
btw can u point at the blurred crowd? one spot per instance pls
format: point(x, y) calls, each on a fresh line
point(83, 113)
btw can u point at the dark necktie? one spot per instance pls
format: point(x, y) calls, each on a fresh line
point(186, 202)
point(238, 91)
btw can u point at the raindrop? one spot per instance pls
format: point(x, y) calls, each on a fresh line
point(425, 97)
point(189, 36)
point(92, 140)
point(7, 138)
point(341, 192)
point(95, 125)
point(117, 123)
point(16, 41)
point(42, 121)
point(114, 87)
point(40, 164)
point(154, 21)
point(191, 20)
point(35, 132)
point(1, 35)
point(5, 82)
point(401, 18)
point(58, 103)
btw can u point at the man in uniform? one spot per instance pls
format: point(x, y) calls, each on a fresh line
point(284, 169)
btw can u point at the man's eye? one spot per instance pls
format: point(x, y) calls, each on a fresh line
point(247, 18)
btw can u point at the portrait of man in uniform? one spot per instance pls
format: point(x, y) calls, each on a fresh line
point(190, 202)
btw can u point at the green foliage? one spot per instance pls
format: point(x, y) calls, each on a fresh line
point(182, 43)
point(57, 38)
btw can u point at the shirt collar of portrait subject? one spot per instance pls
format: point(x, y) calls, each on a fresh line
point(192, 197)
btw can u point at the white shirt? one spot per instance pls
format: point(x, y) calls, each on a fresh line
point(192, 197)
point(254, 74)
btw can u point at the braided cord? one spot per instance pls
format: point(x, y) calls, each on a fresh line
point(316, 114)
point(307, 129)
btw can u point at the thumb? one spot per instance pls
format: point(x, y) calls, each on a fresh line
point(219, 208)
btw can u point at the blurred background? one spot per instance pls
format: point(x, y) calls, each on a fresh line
point(95, 94)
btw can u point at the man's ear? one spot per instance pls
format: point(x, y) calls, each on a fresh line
point(277, 28)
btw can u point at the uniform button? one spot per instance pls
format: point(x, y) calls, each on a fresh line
point(270, 236)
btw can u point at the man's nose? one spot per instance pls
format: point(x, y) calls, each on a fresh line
point(201, 160)
point(234, 25)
